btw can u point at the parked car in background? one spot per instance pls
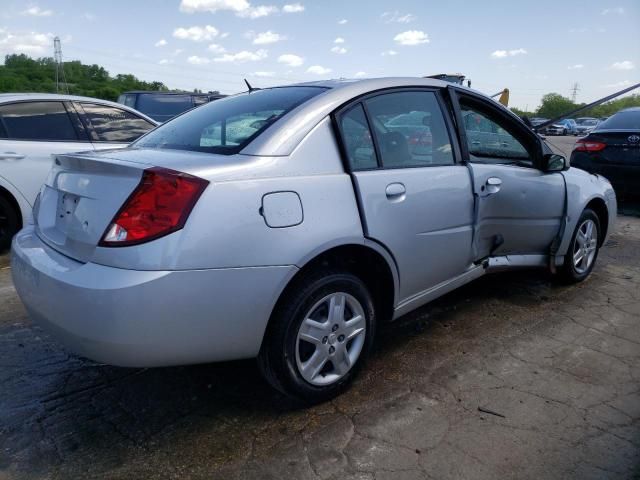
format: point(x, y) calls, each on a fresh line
point(163, 106)
point(612, 149)
point(567, 126)
point(34, 127)
point(297, 239)
point(586, 124)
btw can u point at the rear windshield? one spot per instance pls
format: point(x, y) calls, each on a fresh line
point(622, 121)
point(227, 125)
point(163, 107)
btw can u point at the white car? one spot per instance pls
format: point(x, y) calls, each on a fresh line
point(36, 126)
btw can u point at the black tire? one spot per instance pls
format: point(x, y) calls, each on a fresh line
point(277, 359)
point(9, 223)
point(564, 132)
point(569, 272)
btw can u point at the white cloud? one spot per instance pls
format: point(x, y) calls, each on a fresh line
point(89, 16)
point(318, 70)
point(224, 35)
point(622, 84)
point(36, 11)
point(212, 6)
point(32, 43)
point(578, 30)
point(196, 34)
point(293, 8)
point(397, 17)
point(360, 74)
point(508, 53)
point(339, 50)
point(291, 60)
point(618, 10)
point(267, 37)
point(342, 21)
point(241, 57)
point(411, 37)
point(257, 12)
point(263, 74)
point(215, 48)
point(164, 61)
point(389, 53)
point(624, 65)
point(577, 66)
point(177, 52)
point(339, 40)
point(196, 60)
point(160, 43)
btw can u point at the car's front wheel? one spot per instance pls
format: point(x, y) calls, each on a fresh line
point(583, 251)
point(319, 336)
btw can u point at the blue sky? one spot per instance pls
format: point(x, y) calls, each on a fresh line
point(531, 47)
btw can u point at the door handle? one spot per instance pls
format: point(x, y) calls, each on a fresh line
point(493, 185)
point(11, 156)
point(395, 192)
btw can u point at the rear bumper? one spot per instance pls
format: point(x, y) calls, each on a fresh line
point(145, 318)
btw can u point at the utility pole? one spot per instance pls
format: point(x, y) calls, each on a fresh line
point(61, 81)
point(574, 92)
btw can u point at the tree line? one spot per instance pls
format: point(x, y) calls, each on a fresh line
point(21, 73)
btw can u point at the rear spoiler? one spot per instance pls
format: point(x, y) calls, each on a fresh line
point(578, 110)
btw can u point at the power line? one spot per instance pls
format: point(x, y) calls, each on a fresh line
point(57, 54)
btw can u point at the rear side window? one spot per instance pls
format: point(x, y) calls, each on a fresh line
point(357, 139)
point(410, 130)
point(128, 100)
point(111, 124)
point(228, 125)
point(37, 121)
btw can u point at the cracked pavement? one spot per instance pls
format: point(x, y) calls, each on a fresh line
point(555, 370)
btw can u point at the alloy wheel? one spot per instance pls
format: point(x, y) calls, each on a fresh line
point(585, 245)
point(330, 339)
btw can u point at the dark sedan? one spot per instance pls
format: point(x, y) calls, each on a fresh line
point(613, 150)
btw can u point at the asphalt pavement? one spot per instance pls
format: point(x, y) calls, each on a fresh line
point(514, 376)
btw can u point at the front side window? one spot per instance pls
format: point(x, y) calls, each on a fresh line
point(37, 121)
point(490, 139)
point(111, 124)
point(228, 125)
point(410, 130)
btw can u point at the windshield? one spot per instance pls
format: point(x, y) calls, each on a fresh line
point(162, 107)
point(587, 121)
point(622, 121)
point(227, 125)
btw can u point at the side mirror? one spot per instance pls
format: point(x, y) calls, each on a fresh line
point(552, 162)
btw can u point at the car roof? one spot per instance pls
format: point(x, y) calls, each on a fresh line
point(285, 134)
point(135, 92)
point(20, 97)
point(630, 109)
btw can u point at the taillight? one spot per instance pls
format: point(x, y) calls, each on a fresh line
point(160, 204)
point(587, 146)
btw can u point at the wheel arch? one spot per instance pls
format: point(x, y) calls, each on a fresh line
point(7, 195)
point(599, 206)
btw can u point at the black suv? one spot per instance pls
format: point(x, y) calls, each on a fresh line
point(163, 106)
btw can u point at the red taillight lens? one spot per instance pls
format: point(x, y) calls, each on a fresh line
point(587, 146)
point(159, 205)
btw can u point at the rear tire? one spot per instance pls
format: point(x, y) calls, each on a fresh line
point(9, 223)
point(583, 250)
point(310, 353)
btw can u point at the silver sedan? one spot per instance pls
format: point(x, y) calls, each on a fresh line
point(289, 223)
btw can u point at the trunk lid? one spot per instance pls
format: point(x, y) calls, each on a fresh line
point(619, 150)
point(80, 198)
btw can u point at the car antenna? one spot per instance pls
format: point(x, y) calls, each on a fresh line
point(251, 89)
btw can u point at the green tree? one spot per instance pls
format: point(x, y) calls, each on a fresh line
point(554, 105)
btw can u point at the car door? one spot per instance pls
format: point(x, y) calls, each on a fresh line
point(111, 127)
point(31, 132)
point(519, 208)
point(414, 197)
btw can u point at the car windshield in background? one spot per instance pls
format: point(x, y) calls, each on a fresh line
point(622, 121)
point(162, 107)
point(228, 125)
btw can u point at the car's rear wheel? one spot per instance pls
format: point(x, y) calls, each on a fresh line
point(9, 223)
point(583, 251)
point(320, 334)
point(564, 132)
